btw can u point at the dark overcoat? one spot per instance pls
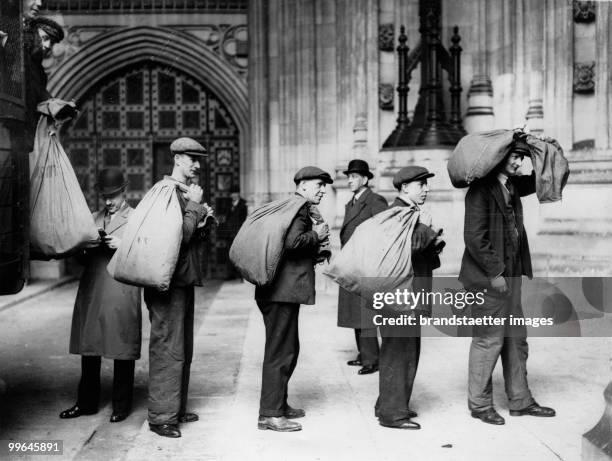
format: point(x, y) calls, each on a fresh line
point(107, 314)
point(490, 246)
point(350, 312)
point(294, 281)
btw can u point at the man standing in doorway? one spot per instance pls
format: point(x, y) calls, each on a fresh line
point(279, 303)
point(363, 205)
point(496, 257)
point(171, 312)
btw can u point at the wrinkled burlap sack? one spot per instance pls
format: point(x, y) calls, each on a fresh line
point(258, 247)
point(477, 154)
point(60, 220)
point(378, 256)
point(151, 241)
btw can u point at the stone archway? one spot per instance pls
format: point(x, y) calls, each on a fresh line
point(118, 49)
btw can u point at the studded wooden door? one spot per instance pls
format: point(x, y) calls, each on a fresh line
point(128, 122)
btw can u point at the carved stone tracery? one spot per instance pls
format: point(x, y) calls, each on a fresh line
point(584, 11)
point(584, 77)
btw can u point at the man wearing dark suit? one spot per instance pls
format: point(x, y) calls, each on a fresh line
point(363, 205)
point(279, 303)
point(401, 346)
point(228, 230)
point(496, 256)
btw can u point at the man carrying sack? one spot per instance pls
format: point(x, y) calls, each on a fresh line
point(496, 256)
point(107, 318)
point(279, 302)
point(363, 205)
point(401, 346)
point(171, 312)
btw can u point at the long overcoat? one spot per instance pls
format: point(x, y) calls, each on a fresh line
point(350, 312)
point(107, 314)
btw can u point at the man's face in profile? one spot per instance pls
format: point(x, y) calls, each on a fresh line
point(31, 8)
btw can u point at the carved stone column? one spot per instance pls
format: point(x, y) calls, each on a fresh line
point(479, 115)
point(256, 175)
point(603, 83)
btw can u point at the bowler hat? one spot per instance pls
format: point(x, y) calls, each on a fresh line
point(409, 174)
point(312, 172)
point(187, 146)
point(110, 181)
point(360, 167)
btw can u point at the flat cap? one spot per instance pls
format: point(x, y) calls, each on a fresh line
point(312, 172)
point(187, 146)
point(409, 174)
point(52, 28)
point(520, 146)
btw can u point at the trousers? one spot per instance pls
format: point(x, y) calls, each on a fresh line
point(490, 342)
point(280, 356)
point(367, 345)
point(88, 396)
point(170, 351)
point(399, 359)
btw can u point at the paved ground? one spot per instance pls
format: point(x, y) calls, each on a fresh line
point(40, 380)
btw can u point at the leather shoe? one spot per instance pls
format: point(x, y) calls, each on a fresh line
point(368, 370)
point(188, 418)
point(75, 412)
point(412, 414)
point(401, 424)
point(166, 430)
point(489, 416)
point(354, 363)
point(293, 413)
point(534, 410)
point(118, 416)
point(280, 424)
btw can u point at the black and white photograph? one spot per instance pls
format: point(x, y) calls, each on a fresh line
point(310, 230)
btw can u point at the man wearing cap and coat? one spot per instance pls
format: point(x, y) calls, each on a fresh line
point(401, 346)
point(496, 256)
point(171, 312)
point(107, 318)
point(363, 205)
point(279, 303)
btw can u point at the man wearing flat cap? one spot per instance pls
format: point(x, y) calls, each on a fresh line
point(40, 35)
point(171, 312)
point(496, 256)
point(363, 205)
point(107, 318)
point(401, 346)
point(279, 303)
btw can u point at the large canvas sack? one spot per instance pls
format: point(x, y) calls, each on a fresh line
point(377, 258)
point(550, 166)
point(151, 241)
point(60, 220)
point(477, 154)
point(258, 247)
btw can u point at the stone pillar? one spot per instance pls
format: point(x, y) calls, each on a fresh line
point(535, 111)
point(603, 82)
point(256, 175)
point(558, 70)
point(480, 115)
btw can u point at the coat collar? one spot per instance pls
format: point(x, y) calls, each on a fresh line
point(352, 211)
point(117, 222)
